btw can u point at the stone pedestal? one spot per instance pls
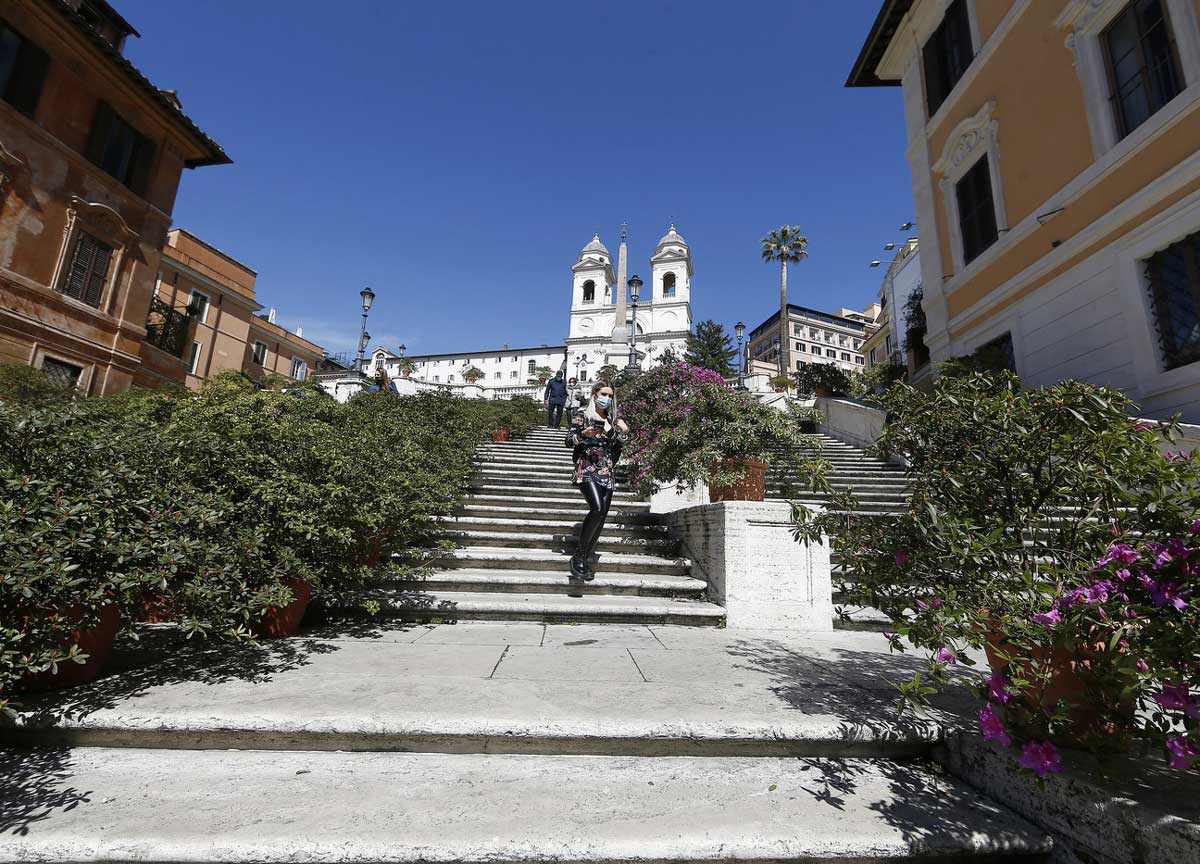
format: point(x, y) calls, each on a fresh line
point(669, 499)
point(764, 578)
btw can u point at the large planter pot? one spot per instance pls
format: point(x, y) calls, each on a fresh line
point(95, 641)
point(280, 621)
point(1096, 712)
point(156, 609)
point(823, 391)
point(752, 486)
point(501, 435)
point(808, 427)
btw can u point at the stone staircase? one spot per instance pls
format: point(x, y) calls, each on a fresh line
point(513, 537)
point(878, 487)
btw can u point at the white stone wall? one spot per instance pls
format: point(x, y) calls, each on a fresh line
point(763, 578)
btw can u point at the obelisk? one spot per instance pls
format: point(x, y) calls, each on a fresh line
point(618, 351)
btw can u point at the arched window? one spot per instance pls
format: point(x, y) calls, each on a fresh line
point(589, 291)
point(669, 285)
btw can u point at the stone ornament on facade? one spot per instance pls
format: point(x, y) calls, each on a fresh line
point(970, 140)
point(107, 225)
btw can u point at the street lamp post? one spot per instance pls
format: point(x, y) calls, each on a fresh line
point(368, 297)
point(740, 329)
point(635, 290)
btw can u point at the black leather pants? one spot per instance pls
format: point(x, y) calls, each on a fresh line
point(598, 499)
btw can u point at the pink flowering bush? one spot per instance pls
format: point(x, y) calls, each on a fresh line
point(686, 422)
point(1046, 528)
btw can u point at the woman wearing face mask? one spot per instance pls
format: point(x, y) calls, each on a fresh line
point(596, 436)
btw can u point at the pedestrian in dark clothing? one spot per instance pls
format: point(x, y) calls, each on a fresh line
point(555, 398)
point(597, 437)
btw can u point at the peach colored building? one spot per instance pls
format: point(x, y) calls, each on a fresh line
point(215, 293)
point(272, 348)
point(91, 155)
point(1055, 155)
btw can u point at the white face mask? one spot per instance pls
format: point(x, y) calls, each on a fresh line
point(603, 402)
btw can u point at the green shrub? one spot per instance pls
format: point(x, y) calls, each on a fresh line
point(208, 503)
point(685, 422)
point(23, 385)
point(1018, 500)
point(810, 376)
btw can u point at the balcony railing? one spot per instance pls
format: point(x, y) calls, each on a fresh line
point(167, 327)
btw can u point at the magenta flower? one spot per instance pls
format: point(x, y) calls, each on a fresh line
point(1143, 666)
point(945, 655)
point(1175, 697)
point(1183, 752)
point(1122, 552)
point(1142, 427)
point(1166, 594)
point(1194, 528)
point(901, 558)
point(1123, 574)
point(998, 687)
point(992, 726)
point(1041, 759)
point(1048, 618)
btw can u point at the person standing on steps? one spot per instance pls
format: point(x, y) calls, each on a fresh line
point(596, 437)
point(555, 398)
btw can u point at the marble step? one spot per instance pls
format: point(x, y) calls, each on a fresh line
point(564, 541)
point(495, 557)
point(523, 490)
point(548, 582)
point(538, 500)
point(542, 523)
point(569, 512)
point(539, 606)
point(247, 806)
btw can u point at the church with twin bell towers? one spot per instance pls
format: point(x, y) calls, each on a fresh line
point(602, 310)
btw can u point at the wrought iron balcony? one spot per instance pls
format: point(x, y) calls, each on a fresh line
point(167, 328)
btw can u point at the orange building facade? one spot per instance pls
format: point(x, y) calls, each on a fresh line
point(213, 294)
point(91, 156)
point(1055, 154)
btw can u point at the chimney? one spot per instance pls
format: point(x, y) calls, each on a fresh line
point(300, 332)
point(271, 316)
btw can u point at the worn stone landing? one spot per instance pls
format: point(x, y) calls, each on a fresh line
point(214, 806)
point(510, 688)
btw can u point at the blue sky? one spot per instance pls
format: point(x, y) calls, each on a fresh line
point(456, 156)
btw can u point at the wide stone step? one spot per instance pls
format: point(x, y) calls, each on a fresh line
point(548, 582)
point(436, 605)
point(498, 557)
point(560, 541)
point(522, 490)
point(541, 523)
point(811, 500)
point(571, 513)
point(528, 478)
point(429, 808)
point(532, 464)
point(540, 499)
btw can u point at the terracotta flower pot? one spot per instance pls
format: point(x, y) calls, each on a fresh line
point(95, 641)
point(1096, 711)
point(501, 435)
point(752, 486)
point(156, 609)
point(823, 391)
point(780, 389)
point(280, 621)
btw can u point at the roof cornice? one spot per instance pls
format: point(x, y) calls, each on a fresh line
point(883, 31)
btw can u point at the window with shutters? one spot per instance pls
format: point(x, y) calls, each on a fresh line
point(198, 306)
point(260, 353)
point(120, 150)
point(947, 55)
point(23, 68)
point(1144, 73)
point(194, 358)
point(88, 274)
point(299, 369)
point(1173, 276)
point(976, 210)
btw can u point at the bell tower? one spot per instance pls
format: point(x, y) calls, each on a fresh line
point(592, 283)
point(671, 284)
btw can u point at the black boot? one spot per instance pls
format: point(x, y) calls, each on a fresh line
point(579, 568)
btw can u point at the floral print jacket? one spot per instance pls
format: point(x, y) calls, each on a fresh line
point(595, 457)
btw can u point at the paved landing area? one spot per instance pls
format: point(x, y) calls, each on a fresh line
point(509, 688)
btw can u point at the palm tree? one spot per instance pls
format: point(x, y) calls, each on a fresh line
point(786, 245)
